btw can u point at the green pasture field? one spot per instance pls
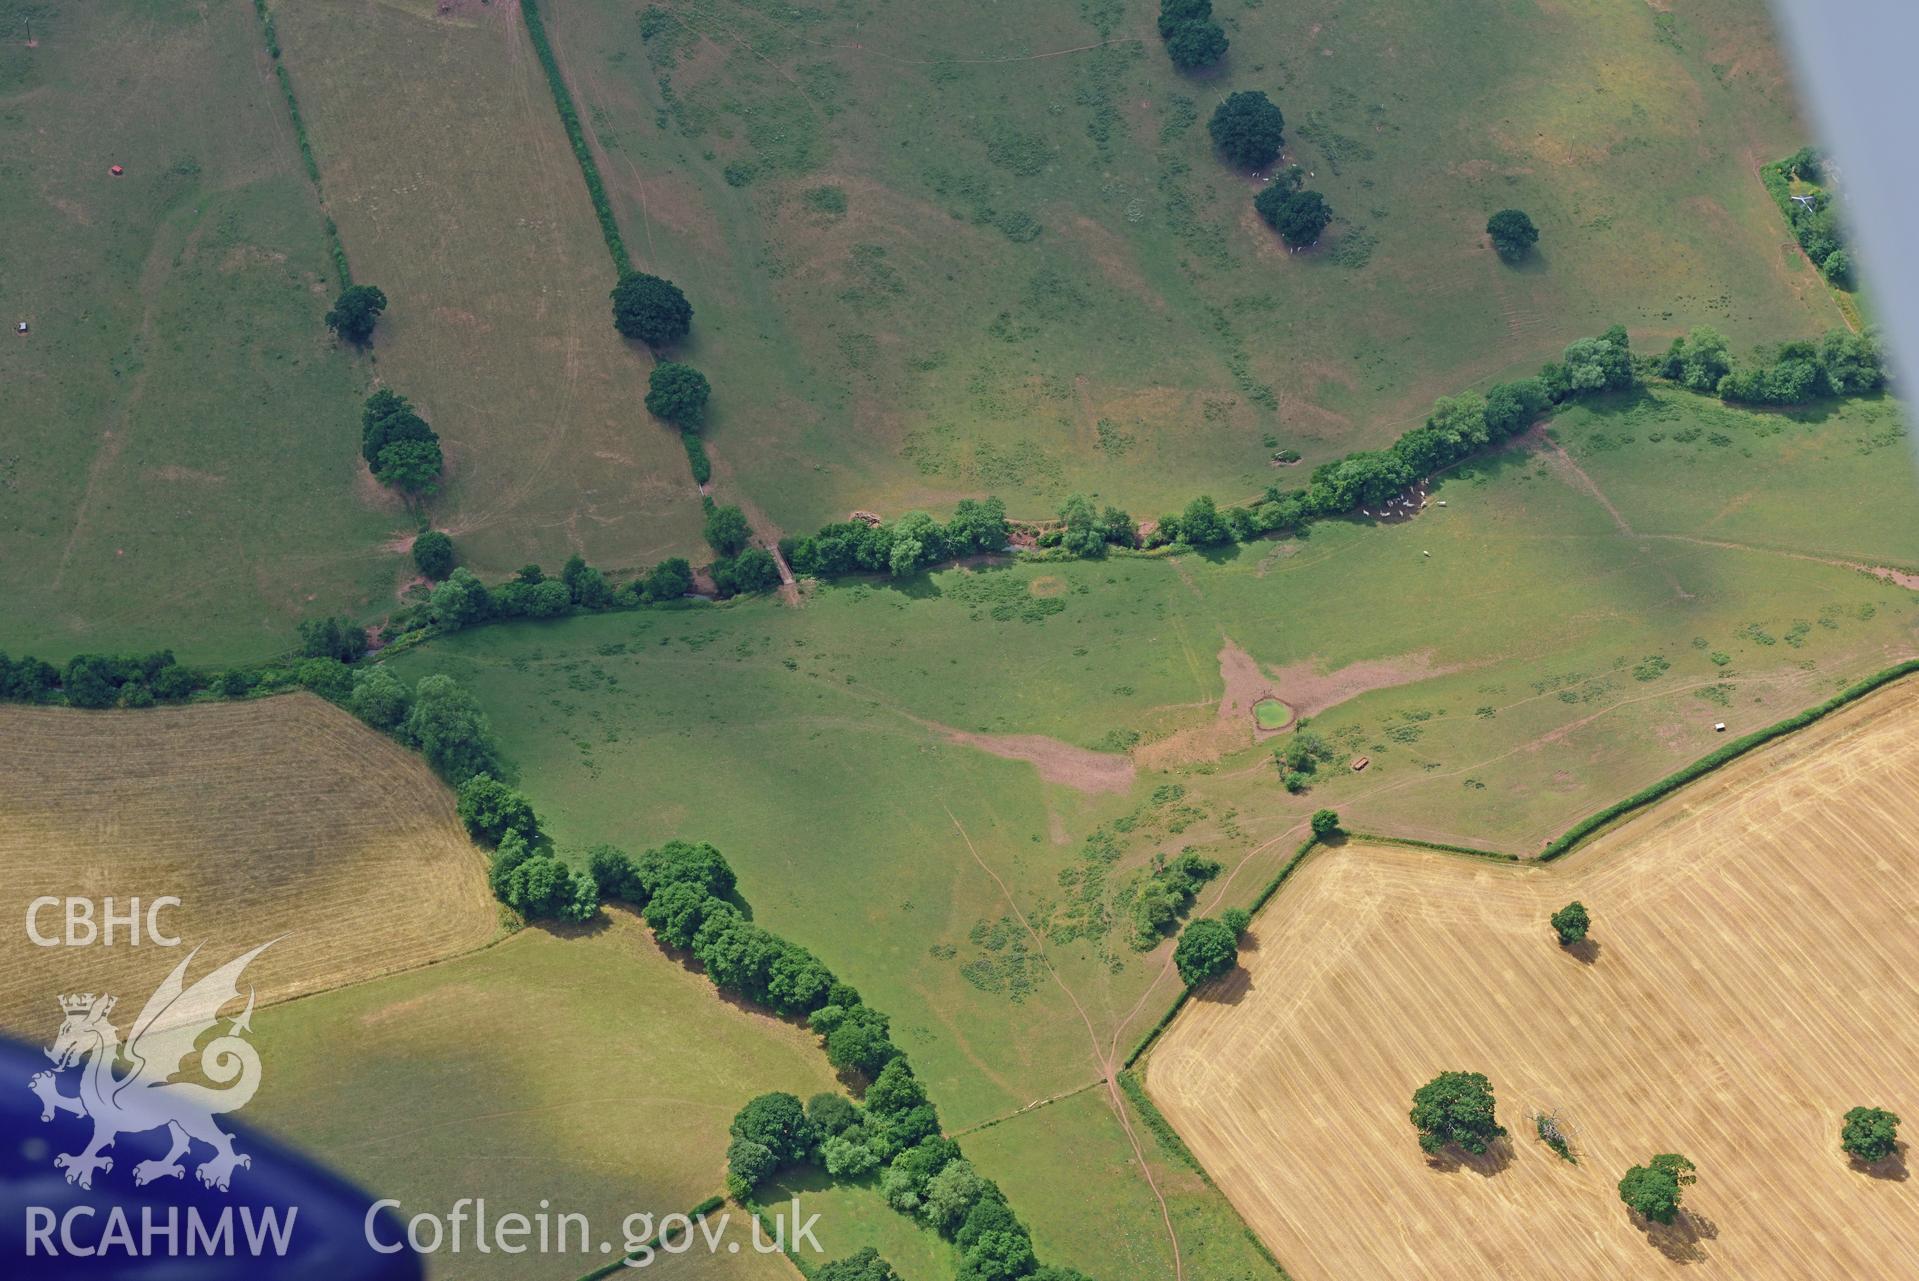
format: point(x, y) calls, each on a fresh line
point(803, 742)
point(1071, 1171)
point(1553, 661)
point(178, 460)
point(454, 189)
point(697, 1264)
point(936, 254)
point(1817, 481)
point(811, 788)
point(592, 1071)
point(855, 1215)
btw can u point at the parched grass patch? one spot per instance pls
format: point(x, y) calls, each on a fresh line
point(281, 818)
point(1047, 586)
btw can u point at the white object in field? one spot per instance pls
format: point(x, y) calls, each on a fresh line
point(1719, 727)
point(1442, 502)
point(22, 329)
point(1425, 553)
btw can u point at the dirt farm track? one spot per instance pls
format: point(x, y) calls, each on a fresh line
point(281, 818)
point(1752, 976)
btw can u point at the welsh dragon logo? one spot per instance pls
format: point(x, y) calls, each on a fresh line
point(127, 1089)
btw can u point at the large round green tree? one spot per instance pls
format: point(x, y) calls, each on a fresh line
point(1652, 1190)
point(1513, 233)
point(1571, 922)
point(388, 419)
point(677, 393)
point(1298, 216)
point(1870, 1134)
point(411, 466)
point(1455, 1109)
point(651, 309)
point(1195, 45)
point(1207, 948)
point(355, 312)
point(727, 531)
point(433, 554)
point(1248, 129)
point(1174, 14)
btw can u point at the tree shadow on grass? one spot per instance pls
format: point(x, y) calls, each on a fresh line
point(1531, 263)
point(1617, 404)
point(1450, 1160)
point(598, 924)
point(798, 1180)
point(919, 586)
point(1679, 1240)
point(1225, 553)
point(1892, 1168)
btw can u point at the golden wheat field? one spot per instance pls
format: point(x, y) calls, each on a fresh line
point(1750, 977)
point(284, 816)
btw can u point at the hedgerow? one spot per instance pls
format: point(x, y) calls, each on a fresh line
point(576, 136)
point(696, 459)
point(1442, 847)
point(1366, 481)
point(687, 894)
point(1579, 831)
point(335, 249)
point(1814, 223)
point(1162, 1128)
point(462, 600)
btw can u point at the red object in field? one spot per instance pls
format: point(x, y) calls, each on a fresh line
point(116, 171)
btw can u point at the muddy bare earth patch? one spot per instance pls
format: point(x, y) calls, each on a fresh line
point(1232, 727)
point(1079, 768)
point(1303, 687)
point(1309, 690)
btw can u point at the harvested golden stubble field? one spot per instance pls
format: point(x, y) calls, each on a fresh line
point(1750, 977)
point(282, 817)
